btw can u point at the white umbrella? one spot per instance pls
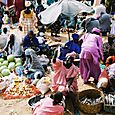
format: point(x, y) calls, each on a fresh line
point(66, 7)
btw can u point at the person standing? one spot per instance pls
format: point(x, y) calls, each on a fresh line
point(13, 46)
point(28, 18)
point(19, 6)
point(91, 53)
point(39, 9)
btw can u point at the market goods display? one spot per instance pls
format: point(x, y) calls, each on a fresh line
point(20, 88)
point(11, 66)
point(5, 72)
point(1, 60)
point(91, 101)
point(110, 99)
point(10, 58)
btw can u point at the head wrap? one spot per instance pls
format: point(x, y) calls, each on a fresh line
point(96, 30)
point(75, 36)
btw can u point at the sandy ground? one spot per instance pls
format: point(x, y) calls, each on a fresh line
point(20, 106)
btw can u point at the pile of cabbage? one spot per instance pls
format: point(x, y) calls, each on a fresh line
point(7, 66)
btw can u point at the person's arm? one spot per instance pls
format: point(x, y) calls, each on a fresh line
point(55, 56)
point(36, 42)
point(100, 46)
point(6, 46)
point(25, 43)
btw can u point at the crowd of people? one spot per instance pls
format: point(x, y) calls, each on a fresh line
point(87, 47)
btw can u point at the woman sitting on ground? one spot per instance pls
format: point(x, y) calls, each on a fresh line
point(49, 105)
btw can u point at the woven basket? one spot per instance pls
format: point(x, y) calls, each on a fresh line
point(90, 93)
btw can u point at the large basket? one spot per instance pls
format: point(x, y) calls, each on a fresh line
point(93, 108)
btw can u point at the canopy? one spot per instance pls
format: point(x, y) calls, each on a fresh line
point(66, 7)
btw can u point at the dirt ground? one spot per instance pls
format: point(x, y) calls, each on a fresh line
point(21, 107)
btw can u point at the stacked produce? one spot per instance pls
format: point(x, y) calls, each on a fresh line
point(6, 66)
point(91, 101)
point(110, 99)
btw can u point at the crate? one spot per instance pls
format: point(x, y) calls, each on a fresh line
point(109, 107)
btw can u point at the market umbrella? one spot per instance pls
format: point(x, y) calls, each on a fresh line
point(66, 7)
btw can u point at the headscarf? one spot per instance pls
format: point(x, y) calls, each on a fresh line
point(35, 63)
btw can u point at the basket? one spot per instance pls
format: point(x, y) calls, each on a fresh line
point(92, 108)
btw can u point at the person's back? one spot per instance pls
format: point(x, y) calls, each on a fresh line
point(47, 108)
point(49, 105)
point(90, 41)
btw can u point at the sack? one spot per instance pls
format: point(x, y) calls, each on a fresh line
point(44, 84)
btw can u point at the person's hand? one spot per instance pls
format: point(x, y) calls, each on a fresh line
point(26, 71)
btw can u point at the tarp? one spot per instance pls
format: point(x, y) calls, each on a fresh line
point(67, 7)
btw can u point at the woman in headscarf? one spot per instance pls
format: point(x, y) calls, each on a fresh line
point(13, 46)
point(34, 69)
point(91, 53)
point(49, 105)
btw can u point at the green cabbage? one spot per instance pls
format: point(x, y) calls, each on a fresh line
point(5, 63)
point(3, 67)
point(11, 66)
point(5, 72)
point(18, 64)
point(1, 60)
point(10, 58)
point(18, 60)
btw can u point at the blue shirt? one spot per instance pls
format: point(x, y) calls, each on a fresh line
point(27, 43)
point(71, 46)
